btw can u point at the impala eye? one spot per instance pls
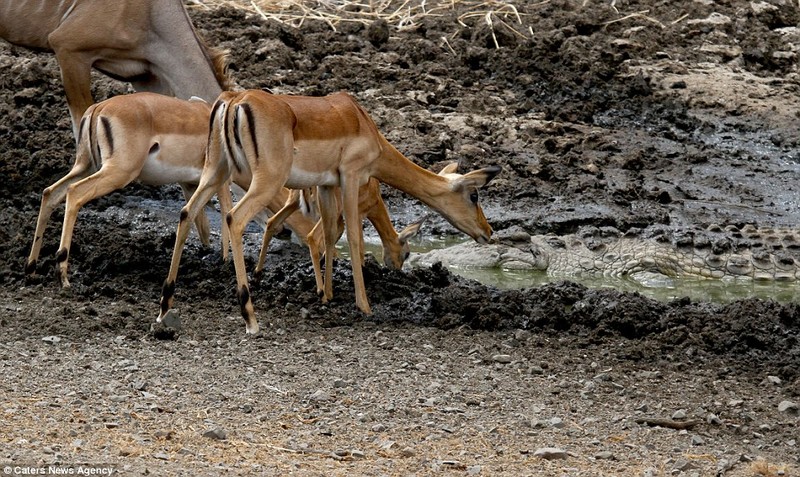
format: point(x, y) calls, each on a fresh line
point(474, 197)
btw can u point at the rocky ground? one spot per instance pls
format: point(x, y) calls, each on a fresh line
point(623, 115)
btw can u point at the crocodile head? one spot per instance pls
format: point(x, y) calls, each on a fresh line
point(541, 251)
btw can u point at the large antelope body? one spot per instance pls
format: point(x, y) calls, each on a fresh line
point(328, 142)
point(149, 43)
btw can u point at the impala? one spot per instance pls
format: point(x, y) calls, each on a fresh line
point(395, 245)
point(149, 43)
point(328, 142)
point(154, 138)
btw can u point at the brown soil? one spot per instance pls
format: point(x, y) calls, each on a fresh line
point(599, 119)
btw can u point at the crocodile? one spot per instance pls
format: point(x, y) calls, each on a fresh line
point(763, 254)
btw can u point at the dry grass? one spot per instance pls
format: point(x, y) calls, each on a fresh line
point(762, 468)
point(401, 14)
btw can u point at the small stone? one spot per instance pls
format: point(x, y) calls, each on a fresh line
point(557, 422)
point(217, 434)
point(474, 470)
point(604, 455)
point(774, 380)
point(378, 428)
point(387, 444)
point(339, 383)
point(679, 414)
point(51, 339)
point(319, 395)
point(502, 358)
point(161, 456)
point(713, 419)
point(407, 452)
point(550, 453)
point(112, 425)
point(697, 441)
point(357, 454)
point(172, 320)
point(117, 398)
point(683, 465)
point(788, 406)
point(735, 402)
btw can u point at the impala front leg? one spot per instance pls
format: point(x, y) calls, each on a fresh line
point(273, 225)
point(355, 239)
point(201, 221)
point(329, 212)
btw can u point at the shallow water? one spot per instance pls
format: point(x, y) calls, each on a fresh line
point(164, 213)
point(658, 287)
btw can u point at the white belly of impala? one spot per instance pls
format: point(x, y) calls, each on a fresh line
point(174, 162)
point(301, 179)
point(159, 173)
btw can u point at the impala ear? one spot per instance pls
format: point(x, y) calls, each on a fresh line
point(449, 169)
point(476, 179)
point(411, 231)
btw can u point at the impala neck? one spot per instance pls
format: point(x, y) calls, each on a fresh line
point(396, 170)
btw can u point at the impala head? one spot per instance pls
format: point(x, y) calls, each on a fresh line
point(396, 253)
point(462, 209)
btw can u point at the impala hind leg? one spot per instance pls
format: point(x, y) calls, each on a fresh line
point(201, 221)
point(51, 197)
point(209, 183)
point(108, 179)
point(244, 211)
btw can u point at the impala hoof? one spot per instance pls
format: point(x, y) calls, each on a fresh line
point(30, 267)
point(252, 329)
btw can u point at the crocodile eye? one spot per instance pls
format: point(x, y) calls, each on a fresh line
point(474, 197)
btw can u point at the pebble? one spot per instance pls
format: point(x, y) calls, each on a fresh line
point(683, 465)
point(378, 428)
point(51, 339)
point(474, 470)
point(698, 441)
point(679, 414)
point(502, 358)
point(550, 453)
point(788, 406)
point(407, 452)
point(557, 422)
point(774, 380)
point(217, 433)
point(320, 395)
point(713, 419)
point(161, 456)
point(604, 455)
